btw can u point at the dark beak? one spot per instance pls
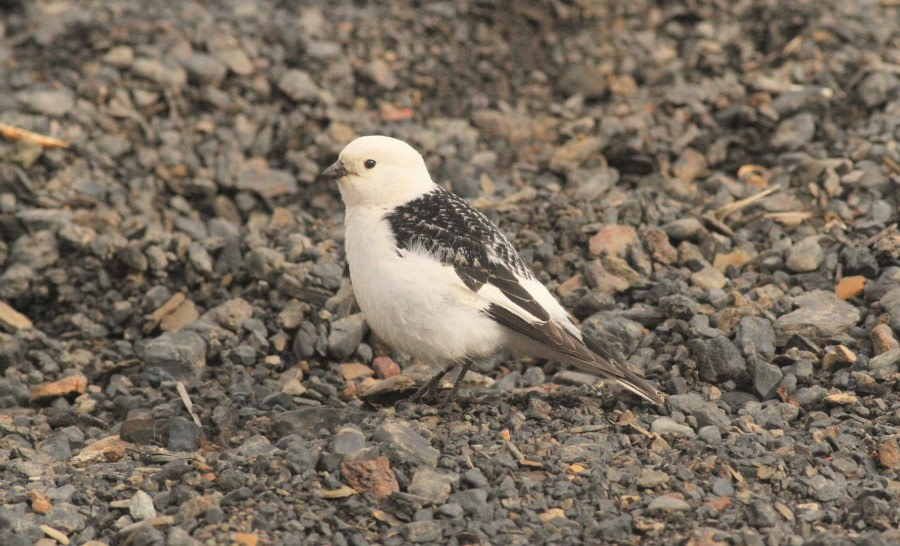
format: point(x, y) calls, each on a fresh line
point(335, 172)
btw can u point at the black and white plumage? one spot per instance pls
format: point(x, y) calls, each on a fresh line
point(437, 279)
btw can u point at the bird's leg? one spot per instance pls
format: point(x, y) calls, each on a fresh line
point(429, 388)
point(466, 364)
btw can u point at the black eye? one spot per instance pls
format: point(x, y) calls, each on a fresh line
point(369, 164)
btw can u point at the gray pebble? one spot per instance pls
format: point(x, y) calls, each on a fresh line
point(402, 444)
point(794, 132)
point(346, 335)
point(755, 335)
point(299, 86)
point(806, 255)
point(666, 503)
point(432, 485)
point(203, 68)
point(141, 506)
point(821, 315)
point(179, 354)
point(666, 426)
point(51, 102)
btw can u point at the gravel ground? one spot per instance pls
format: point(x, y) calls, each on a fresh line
point(711, 188)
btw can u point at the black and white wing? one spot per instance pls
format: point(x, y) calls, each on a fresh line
point(448, 228)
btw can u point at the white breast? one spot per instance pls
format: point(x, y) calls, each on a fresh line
point(411, 301)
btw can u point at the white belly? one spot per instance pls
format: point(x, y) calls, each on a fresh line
point(412, 302)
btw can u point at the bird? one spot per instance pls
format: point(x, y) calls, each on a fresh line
point(437, 280)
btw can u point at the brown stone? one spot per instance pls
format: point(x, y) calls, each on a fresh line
point(385, 367)
point(40, 503)
point(371, 475)
point(106, 450)
point(355, 370)
point(12, 320)
point(74, 384)
point(658, 244)
point(849, 287)
point(883, 339)
point(613, 239)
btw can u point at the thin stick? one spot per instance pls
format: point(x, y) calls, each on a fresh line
point(15, 133)
point(738, 205)
point(182, 392)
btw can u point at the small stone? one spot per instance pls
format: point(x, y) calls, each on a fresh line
point(821, 316)
point(883, 339)
point(141, 506)
point(50, 102)
point(143, 431)
point(476, 478)
point(718, 360)
point(889, 454)
point(668, 503)
point(850, 287)
point(683, 229)
point(657, 242)
point(348, 440)
point(710, 434)
point(574, 153)
point(380, 73)
point(181, 316)
point(373, 475)
point(878, 87)
point(258, 177)
point(385, 367)
point(755, 335)
point(737, 258)
point(184, 435)
point(203, 68)
point(885, 360)
point(432, 485)
point(106, 450)
point(157, 71)
point(806, 255)
point(403, 444)
point(40, 503)
point(649, 479)
point(551, 514)
point(613, 239)
point(230, 313)
point(65, 517)
point(291, 315)
point(346, 335)
point(12, 320)
point(689, 165)
point(823, 489)
point(666, 426)
point(792, 133)
point(179, 354)
point(766, 377)
point(119, 56)
point(708, 279)
point(762, 514)
point(299, 86)
point(354, 370)
point(308, 422)
point(74, 384)
point(587, 79)
point(473, 501)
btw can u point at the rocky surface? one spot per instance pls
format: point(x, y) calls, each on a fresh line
point(712, 189)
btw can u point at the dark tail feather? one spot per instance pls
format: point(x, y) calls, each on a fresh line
point(611, 369)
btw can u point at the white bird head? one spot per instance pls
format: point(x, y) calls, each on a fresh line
point(379, 171)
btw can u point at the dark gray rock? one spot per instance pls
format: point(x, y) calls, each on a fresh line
point(766, 377)
point(755, 335)
point(762, 514)
point(182, 355)
point(792, 133)
point(308, 422)
point(718, 360)
point(184, 435)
